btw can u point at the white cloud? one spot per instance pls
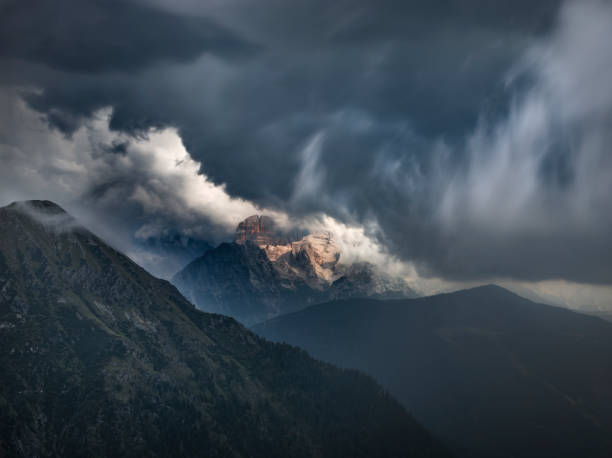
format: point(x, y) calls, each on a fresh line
point(155, 173)
point(158, 175)
point(309, 181)
point(567, 106)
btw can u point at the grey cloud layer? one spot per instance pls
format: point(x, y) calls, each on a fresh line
point(92, 36)
point(399, 112)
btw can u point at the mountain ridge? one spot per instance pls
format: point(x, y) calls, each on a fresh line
point(492, 373)
point(98, 357)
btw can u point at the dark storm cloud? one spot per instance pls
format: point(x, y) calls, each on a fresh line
point(108, 35)
point(401, 112)
point(433, 65)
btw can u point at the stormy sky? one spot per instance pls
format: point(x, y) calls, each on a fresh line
point(468, 139)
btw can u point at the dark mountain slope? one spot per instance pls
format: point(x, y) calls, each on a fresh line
point(98, 358)
point(240, 281)
point(495, 374)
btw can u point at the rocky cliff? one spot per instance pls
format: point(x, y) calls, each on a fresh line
point(265, 273)
point(312, 259)
point(258, 229)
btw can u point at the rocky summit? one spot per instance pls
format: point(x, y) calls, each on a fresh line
point(312, 259)
point(99, 358)
point(258, 229)
point(265, 273)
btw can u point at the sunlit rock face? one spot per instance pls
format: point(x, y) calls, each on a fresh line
point(258, 229)
point(261, 274)
point(312, 258)
point(321, 251)
point(265, 273)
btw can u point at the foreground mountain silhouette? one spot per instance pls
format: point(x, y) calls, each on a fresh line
point(494, 374)
point(99, 358)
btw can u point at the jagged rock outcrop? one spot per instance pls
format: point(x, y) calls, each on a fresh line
point(312, 259)
point(258, 229)
point(265, 273)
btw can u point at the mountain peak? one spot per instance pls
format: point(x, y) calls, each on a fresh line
point(42, 206)
point(489, 289)
point(45, 213)
point(258, 229)
point(270, 272)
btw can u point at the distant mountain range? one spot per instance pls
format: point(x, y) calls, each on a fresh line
point(492, 373)
point(265, 273)
point(99, 358)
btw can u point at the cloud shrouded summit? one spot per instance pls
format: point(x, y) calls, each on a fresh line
point(470, 138)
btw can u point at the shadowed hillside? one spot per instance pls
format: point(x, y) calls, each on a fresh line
point(99, 358)
point(493, 373)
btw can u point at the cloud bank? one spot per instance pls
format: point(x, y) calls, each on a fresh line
point(126, 189)
point(469, 140)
